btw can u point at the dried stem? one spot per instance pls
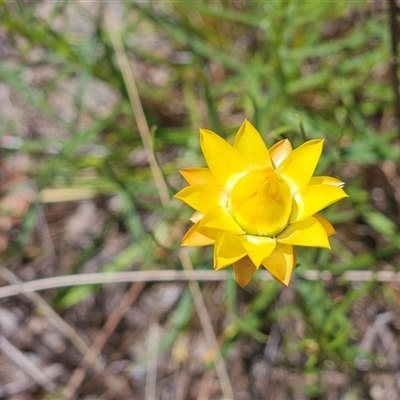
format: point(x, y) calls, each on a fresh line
point(53, 317)
point(101, 339)
point(26, 365)
point(174, 276)
point(152, 356)
point(162, 188)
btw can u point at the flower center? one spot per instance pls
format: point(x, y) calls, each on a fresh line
point(261, 203)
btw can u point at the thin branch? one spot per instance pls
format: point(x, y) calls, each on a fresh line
point(206, 324)
point(101, 338)
point(174, 276)
point(111, 277)
point(19, 359)
point(53, 317)
point(152, 355)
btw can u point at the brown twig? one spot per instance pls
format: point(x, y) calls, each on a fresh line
point(53, 317)
point(205, 386)
point(152, 356)
point(9, 390)
point(182, 385)
point(102, 337)
point(26, 365)
point(173, 276)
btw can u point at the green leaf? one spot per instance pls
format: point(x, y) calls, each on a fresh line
point(381, 223)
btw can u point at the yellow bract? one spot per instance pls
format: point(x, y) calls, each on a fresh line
point(261, 203)
point(255, 204)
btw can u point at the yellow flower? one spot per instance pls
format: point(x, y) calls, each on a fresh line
point(255, 204)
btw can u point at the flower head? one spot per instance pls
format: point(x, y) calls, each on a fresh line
point(254, 204)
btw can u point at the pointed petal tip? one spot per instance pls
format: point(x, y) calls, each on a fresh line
point(241, 284)
point(310, 232)
point(223, 159)
point(206, 132)
point(299, 166)
point(288, 277)
point(311, 199)
point(176, 195)
point(279, 151)
point(280, 263)
point(244, 270)
point(251, 146)
point(195, 238)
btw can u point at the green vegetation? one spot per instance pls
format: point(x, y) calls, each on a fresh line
point(68, 129)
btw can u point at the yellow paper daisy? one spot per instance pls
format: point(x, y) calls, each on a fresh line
point(255, 204)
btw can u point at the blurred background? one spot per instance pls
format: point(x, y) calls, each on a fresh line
point(78, 195)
